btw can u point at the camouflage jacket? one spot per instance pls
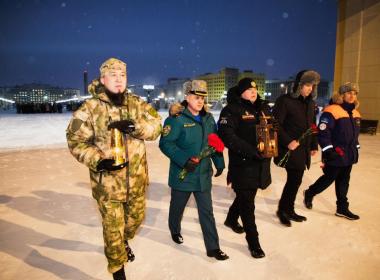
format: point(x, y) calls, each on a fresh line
point(89, 142)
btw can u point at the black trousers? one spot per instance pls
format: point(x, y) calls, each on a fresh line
point(341, 176)
point(244, 206)
point(289, 193)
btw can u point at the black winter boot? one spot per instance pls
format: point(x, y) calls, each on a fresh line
point(217, 254)
point(284, 218)
point(307, 199)
point(177, 238)
point(295, 217)
point(346, 213)
point(236, 227)
point(119, 275)
point(256, 250)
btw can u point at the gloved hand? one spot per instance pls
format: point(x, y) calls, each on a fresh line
point(125, 126)
point(257, 155)
point(329, 155)
point(107, 164)
point(219, 172)
point(191, 164)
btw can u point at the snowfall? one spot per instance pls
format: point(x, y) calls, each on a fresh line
point(50, 227)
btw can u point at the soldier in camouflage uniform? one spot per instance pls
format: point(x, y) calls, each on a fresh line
point(119, 190)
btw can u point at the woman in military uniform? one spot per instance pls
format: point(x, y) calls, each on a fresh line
point(247, 169)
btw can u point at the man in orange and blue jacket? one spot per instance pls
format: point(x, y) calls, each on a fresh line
point(339, 127)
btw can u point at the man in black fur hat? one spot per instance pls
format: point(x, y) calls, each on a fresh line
point(295, 114)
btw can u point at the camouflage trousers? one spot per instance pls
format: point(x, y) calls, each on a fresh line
point(120, 222)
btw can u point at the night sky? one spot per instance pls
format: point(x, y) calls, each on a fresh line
point(55, 41)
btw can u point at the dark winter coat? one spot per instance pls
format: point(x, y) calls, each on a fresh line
point(295, 115)
point(184, 137)
point(339, 126)
point(237, 129)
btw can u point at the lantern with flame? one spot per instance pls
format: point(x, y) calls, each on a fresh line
point(118, 147)
point(267, 143)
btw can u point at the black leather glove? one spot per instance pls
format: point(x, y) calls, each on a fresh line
point(107, 164)
point(329, 155)
point(191, 164)
point(257, 155)
point(125, 126)
point(218, 172)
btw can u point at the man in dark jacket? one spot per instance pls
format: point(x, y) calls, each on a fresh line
point(339, 127)
point(184, 136)
point(295, 113)
point(247, 169)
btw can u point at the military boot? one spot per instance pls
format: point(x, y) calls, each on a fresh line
point(308, 199)
point(295, 217)
point(346, 213)
point(256, 250)
point(119, 275)
point(177, 238)
point(236, 227)
point(284, 219)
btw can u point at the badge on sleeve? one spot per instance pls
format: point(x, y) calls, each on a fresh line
point(223, 120)
point(166, 130)
point(322, 126)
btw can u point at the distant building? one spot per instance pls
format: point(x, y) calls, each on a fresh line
point(275, 88)
point(219, 83)
point(37, 93)
point(174, 88)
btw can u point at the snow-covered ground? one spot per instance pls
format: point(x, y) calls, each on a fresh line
point(50, 227)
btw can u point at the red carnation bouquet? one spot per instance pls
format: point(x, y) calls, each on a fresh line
point(313, 129)
point(215, 144)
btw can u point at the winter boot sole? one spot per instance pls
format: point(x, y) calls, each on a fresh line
point(344, 216)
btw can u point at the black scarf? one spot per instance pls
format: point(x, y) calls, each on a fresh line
point(116, 98)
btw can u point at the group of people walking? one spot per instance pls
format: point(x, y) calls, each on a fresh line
point(120, 189)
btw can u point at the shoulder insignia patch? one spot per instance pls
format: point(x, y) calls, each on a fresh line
point(223, 120)
point(322, 126)
point(75, 125)
point(166, 130)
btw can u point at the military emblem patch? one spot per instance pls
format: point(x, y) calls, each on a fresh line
point(248, 116)
point(322, 126)
point(223, 120)
point(166, 130)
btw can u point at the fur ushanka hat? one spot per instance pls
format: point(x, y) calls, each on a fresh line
point(306, 77)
